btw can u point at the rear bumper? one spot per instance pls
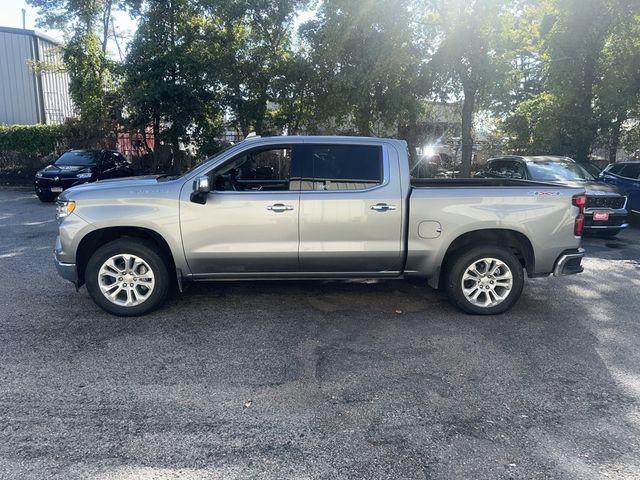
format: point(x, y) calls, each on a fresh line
point(617, 221)
point(569, 263)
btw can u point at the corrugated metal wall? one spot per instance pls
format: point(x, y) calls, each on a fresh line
point(27, 97)
point(18, 93)
point(55, 84)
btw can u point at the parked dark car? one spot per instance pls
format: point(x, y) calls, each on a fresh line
point(606, 211)
point(79, 166)
point(626, 176)
point(591, 167)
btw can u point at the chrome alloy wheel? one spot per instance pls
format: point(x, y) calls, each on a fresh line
point(487, 282)
point(126, 280)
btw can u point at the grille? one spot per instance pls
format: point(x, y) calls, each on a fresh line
point(50, 182)
point(605, 202)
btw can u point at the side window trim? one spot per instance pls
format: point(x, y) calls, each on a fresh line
point(385, 170)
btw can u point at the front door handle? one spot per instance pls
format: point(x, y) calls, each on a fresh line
point(279, 207)
point(382, 207)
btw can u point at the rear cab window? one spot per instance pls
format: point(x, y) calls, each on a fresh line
point(334, 167)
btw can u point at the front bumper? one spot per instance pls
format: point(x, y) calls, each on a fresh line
point(569, 263)
point(45, 184)
point(67, 271)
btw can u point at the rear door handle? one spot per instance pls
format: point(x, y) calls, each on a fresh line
point(279, 207)
point(382, 207)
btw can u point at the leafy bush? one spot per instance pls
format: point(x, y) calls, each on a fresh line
point(31, 139)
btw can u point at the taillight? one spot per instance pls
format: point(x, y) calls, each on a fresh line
point(579, 201)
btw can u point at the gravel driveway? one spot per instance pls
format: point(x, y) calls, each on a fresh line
point(316, 380)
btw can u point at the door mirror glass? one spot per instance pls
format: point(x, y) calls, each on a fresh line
point(201, 188)
point(201, 184)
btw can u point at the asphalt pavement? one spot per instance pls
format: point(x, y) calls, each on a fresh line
point(308, 380)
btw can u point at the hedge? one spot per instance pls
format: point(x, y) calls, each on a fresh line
point(32, 140)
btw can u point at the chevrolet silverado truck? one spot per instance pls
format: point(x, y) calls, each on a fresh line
point(304, 207)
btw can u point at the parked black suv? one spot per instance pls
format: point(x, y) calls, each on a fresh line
point(79, 166)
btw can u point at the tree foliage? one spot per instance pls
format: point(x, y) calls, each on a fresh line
point(563, 75)
point(469, 60)
point(366, 56)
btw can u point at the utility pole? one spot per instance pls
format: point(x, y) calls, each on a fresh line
point(24, 19)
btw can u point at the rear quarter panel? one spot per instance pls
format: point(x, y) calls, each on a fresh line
point(544, 215)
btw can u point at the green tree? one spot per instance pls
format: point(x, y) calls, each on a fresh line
point(366, 55)
point(254, 51)
point(167, 81)
point(534, 128)
point(86, 24)
point(469, 60)
point(617, 93)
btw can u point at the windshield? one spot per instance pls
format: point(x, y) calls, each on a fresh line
point(198, 163)
point(78, 159)
point(557, 171)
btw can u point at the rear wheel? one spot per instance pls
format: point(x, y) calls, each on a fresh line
point(485, 280)
point(127, 277)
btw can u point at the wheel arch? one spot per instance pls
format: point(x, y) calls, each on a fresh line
point(515, 241)
point(97, 238)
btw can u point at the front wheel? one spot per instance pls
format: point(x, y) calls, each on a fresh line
point(127, 277)
point(485, 280)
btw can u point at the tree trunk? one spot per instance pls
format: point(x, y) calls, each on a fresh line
point(156, 142)
point(363, 121)
point(468, 105)
point(106, 21)
point(615, 139)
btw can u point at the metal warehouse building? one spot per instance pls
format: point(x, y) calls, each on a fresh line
point(31, 95)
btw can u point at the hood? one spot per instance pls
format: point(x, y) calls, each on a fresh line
point(130, 183)
point(595, 188)
point(64, 170)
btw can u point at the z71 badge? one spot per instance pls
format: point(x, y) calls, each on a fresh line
point(545, 193)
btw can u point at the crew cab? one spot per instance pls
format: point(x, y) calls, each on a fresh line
point(304, 207)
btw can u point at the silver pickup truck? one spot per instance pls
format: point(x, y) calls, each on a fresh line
point(315, 208)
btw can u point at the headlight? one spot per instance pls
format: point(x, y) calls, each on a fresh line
point(84, 175)
point(39, 175)
point(65, 208)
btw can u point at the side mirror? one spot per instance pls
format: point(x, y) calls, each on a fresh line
point(201, 189)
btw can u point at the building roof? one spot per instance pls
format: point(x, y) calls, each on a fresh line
point(32, 33)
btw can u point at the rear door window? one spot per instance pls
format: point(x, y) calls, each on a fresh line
point(630, 170)
point(616, 169)
point(344, 167)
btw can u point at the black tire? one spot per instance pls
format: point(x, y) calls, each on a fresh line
point(460, 263)
point(146, 251)
point(46, 198)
